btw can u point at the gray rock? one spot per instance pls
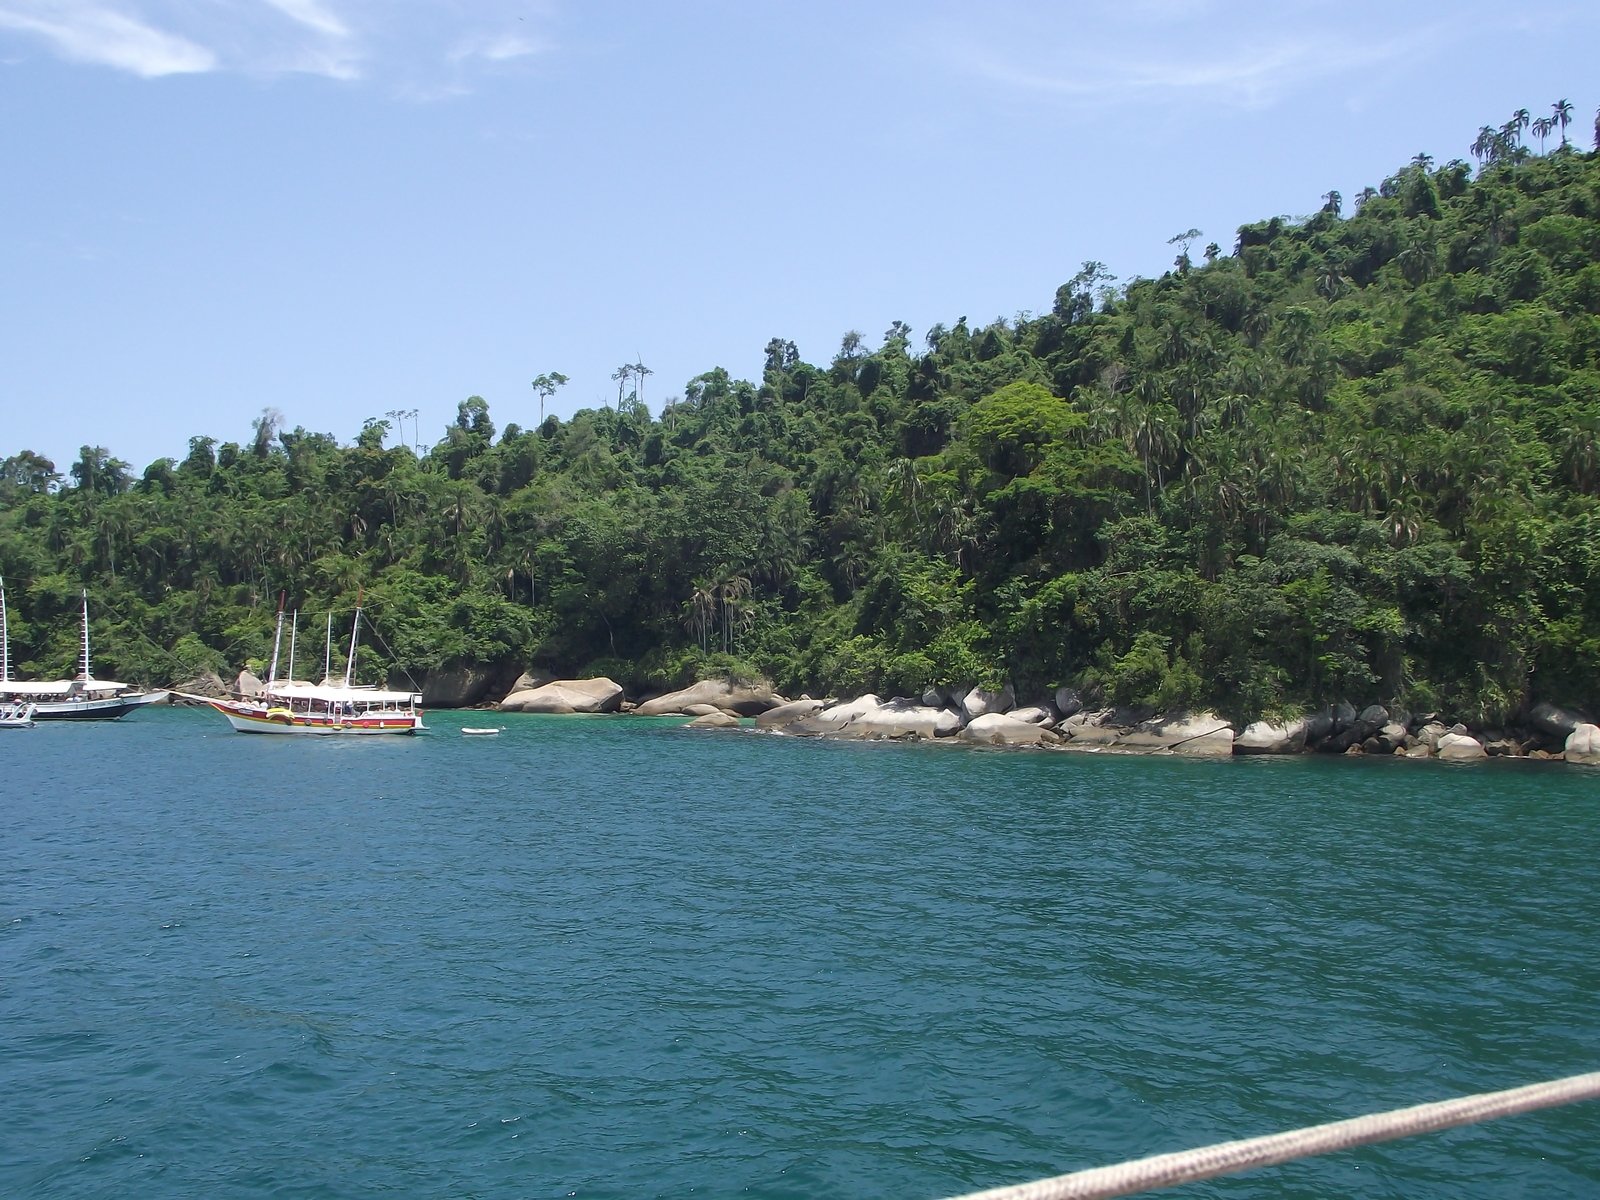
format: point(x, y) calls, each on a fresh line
point(747, 701)
point(207, 683)
point(459, 686)
point(1344, 716)
point(1200, 734)
point(1068, 702)
point(1319, 726)
point(932, 699)
point(246, 685)
point(567, 696)
point(785, 714)
point(1373, 718)
point(1553, 721)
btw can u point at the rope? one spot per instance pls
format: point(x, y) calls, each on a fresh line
point(1227, 1158)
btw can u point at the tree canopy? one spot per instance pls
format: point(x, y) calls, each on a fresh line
point(1358, 457)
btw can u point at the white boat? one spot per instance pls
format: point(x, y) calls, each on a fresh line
point(474, 731)
point(290, 706)
point(81, 698)
point(16, 715)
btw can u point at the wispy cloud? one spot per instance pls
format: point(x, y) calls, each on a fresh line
point(394, 40)
point(90, 33)
point(496, 47)
point(1175, 50)
point(313, 15)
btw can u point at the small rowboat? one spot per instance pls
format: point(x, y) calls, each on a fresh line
point(471, 731)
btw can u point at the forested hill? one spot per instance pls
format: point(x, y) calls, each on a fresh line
point(1357, 458)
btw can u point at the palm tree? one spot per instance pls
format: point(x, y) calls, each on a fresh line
point(622, 374)
point(1541, 129)
point(639, 372)
point(1561, 110)
point(1483, 149)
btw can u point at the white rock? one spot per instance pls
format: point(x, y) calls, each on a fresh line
point(998, 729)
point(1583, 744)
point(1459, 747)
point(978, 702)
point(901, 718)
point(567, 696)
point(1265, 737)
point(784, 714)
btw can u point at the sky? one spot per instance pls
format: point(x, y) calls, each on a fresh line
point(341, 209)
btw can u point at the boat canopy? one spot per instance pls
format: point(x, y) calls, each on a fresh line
point(59, 687)
point(332, 693)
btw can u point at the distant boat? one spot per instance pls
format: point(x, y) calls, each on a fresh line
point(320, 709)
point(16, 715)
point(473, 731)
point(82, 698)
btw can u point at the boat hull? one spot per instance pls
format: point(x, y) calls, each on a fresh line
point(85, 710)
point(254, 719)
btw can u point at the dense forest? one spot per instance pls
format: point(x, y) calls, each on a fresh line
point(1357, 458)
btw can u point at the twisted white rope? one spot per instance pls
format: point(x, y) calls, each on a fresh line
point(1227, 1158)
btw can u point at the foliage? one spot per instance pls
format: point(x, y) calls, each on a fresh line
point(1357, 458)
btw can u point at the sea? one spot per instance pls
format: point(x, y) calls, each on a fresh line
point(612, 957)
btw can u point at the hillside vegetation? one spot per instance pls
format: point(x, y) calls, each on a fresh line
point(1358, 458)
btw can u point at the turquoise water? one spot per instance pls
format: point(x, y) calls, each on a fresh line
point(607, 957)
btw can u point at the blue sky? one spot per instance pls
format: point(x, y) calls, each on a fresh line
point(339, 208)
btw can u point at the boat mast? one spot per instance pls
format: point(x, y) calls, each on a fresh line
point(277, 642)
point(355, 628)
point(327, 651)
point(5, 637)
point(294, 628)
point(86, 676)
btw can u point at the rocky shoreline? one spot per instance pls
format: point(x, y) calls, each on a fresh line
point(978, 717)
point(975, 716)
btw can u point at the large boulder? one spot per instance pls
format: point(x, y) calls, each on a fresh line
point(1034, 714)
point(787, 714)
point(977, 701)
point(997, 729)
point(1583, 744)
point(714, 720)
point(1460, 747)
point(1068, 702)
point(1099, 727)
point(1267, 737)
point(248, 684)
point(837, 716)
point(746, 700)
point(1200, 734)
point(567, 696)
point(903, 719)
point(1553, 721)
point(459, 686)
point(207, 683)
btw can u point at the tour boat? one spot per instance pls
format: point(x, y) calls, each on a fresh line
point(82, 698)
point(320, 709)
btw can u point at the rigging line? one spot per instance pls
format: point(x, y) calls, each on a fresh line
point(1228, 1158)
point(372, 628)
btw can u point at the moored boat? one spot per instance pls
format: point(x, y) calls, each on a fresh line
point(81, 698)
point(16, 715)
point(290, 706)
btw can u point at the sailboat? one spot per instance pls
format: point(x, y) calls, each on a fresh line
point(320, 709)
point(82, 698)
